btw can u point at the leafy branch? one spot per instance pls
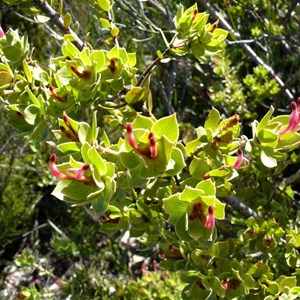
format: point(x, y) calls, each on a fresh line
point(57, 20)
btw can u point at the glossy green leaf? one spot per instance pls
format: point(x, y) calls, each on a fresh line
point(267, 138)
point(263, 123)
point(69, 147)
point(67, 20)
point(167, 127)
point(84, 132)
point(27, 71)
point(134, 95)
point(212, 120)
point(175, 206)
point(100, 204)
point(31, 114)
point(198, 168)
point(104, 4)
point(267, 159)
point(98, 163)
point(208, 187)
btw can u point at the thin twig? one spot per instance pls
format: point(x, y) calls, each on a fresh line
point(57, 20)
point(246, 47)
point(293, 178)
point(148, 70)
point(236, 203)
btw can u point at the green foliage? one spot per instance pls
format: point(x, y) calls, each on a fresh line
point(134, 171)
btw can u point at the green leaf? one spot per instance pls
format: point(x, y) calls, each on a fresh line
point(175, 206)
point(31, 114)
point(69, 147)
point(134, 95)
point(208, 187)
point(288, 140)
point(268, 138)
point(263, 123)
point(181, 228)
point(104, 23)
point(143, 122)
point(177, 162)
point(212, 120)
point(84, 131)
point(198, 50)
point(34, 100)
point(67, 20)
point(131, 59)
point(221, 172)
point(286, 281)
point(196, 229)
point(104, 4)
point(27, 71)
point(92, 137)
point(98, 163)
point(167, 127)
point(73, 191)
point(115, 32)
point(267, 159)
point(220, 34)
point(41, 18)
point(190, 194)
point(198, 167)
point(192, 146)
point(100, 204)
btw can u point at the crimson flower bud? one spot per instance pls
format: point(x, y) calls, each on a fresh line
point(130, 137)
point(54, 170)
point(83, 74)
point(67, 122)
point(294, 121)
point(195, 14)
point(76, 174)
point(2, 33)
point(225, 283)
point(152, 145)
point(240, 159)
point(67, 134)
point(55, 95)
point(112, 65)
point(210, 219)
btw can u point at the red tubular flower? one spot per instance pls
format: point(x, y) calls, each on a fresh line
point(67, 122)
point(76, 174)
point(225, 283)
point(83, 74)
point(294, 121)
point(112, 65)
point(194, 15)
point(54, 170)
point(210, 219)
point(55, 95)
point(67, 134)
point(240, 159)
point(2, 34)
point(152, 145)
point(131, 138)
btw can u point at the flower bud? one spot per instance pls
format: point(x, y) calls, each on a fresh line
point(210, 219)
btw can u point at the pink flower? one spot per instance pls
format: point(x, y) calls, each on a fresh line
point(151, 151)
point(294, 121)
point(70, 174)
point(240, 159)
point(210, 219)
point(2, 33)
